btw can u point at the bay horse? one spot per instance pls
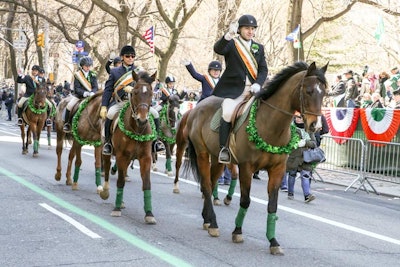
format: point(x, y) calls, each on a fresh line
point(35, 117)
point(169, 116)
point(262, 141)
point(50, 97)
point(85, 130)
point(132, 139)
point(181, 147)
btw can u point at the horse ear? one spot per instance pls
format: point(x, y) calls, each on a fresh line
point(311, 69)
point(154, 76)
point(135, 76)
point(324, 68)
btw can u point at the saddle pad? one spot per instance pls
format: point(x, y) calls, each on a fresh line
point(216, 119)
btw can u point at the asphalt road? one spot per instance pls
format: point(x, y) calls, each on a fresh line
point(45, 223)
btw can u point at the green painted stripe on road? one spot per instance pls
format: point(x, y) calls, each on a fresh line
point(135, 241)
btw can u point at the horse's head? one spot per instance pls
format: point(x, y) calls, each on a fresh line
point(141, 97)
point(39, 99)
point(174, 103)
point(312, 92)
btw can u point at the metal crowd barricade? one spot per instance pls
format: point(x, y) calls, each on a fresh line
point(382, 161)
point(347, 156)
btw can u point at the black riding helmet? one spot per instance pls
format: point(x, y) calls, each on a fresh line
point(170, 79)
point(86, 61)
point(127, 50)
point(247, 20)
point(36, 67)
point(214, 65)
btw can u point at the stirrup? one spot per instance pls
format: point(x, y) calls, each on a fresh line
point(107, 149)
point(67, 128)
point(19, 121)
point(224, 156)
point(48, 122)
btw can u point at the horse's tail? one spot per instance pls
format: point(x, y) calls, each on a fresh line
point(191, 164)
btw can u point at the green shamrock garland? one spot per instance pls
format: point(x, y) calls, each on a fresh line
point(251, 130)
point(32, 107)
point(163, 117)
point(130, 134)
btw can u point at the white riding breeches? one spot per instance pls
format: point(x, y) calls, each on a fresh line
point(72, 102)
point(115, 109)
point(229, 104)
point(154, 112)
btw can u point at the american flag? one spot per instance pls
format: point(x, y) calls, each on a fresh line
point(149, 36)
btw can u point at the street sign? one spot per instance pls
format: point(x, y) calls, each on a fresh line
point(19, 44)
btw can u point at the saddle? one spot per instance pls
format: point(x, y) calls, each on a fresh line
point(239, 115)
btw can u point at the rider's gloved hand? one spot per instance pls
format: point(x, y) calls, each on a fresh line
point(233, 28)
point(103, 112)
point(128, 89)
point(255, 88)
point(185, 62)
point(86, 94)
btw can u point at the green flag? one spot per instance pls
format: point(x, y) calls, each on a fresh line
point(380, 29)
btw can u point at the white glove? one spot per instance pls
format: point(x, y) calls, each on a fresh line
point(302, 143)
point(185, 62)
point(233, 28)
point(255, 88)
point(91, 94)
point(128, 89)
point(86, 94)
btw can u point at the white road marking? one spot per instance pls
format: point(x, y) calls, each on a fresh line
point(75, 223)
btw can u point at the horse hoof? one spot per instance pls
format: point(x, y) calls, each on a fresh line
point(237, 238)
point(205, 226)
point(217, 202)
point(127, 179)
point(170, 174)
point(150, 220)
point(68, 182)
point(74, 186)
point(214, 232)
point(113, 171)
point(176, 191)
point(276, 251)
point(227, 201)
point(116, 213)
point(57, 176)
point(35, 154)
point(99, 189)
point(24, 152)
point(104, 194)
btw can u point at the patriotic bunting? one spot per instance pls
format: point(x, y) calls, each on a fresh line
point(342, 122)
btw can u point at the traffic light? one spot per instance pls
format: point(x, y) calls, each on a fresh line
point(40, 40)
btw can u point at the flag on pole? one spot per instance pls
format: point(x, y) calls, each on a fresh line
point(380, 29)
point(149, 36)
point(294, 35)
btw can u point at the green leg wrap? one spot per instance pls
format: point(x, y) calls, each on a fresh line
point(215, 191)
point(98, 176)
point(232, 186)
point(240, 217)
point(168, 165)
point(119, 197)
point(49, 140)
point(271, 222)
point(36, 145)
point(147, 200)
point(76, 173)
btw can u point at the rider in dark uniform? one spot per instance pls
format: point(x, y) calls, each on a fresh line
point(31, 83)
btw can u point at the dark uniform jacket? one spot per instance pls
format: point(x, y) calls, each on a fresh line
point(233, 80)
point(79, 89)
point(30, 84)
point(115, 74)
point(206, 87)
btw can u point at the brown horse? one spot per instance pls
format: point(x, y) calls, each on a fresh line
point(35, 117)
point(169, 116)
point(86, 130)
point(262, 141)
point(132, 139)
point(181, 146)
point(50, 97)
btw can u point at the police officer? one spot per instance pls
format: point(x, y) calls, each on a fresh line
point(31, 83)
point(246, 70)
point(85, 85)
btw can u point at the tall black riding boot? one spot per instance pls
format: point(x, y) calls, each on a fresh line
point(224, 130)
point(107, 148)
point(48, 121)
point(67, 125)
point(19, 122)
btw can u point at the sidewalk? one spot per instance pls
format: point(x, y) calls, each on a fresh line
point(383, 188)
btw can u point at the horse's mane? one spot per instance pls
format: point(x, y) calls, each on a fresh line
point(270, 87)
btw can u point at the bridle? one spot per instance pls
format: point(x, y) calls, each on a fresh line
point(303, 110)
point(135, 108)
